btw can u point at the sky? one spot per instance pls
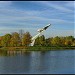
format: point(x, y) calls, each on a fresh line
point(33, 15)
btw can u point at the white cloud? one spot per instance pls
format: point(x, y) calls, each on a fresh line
point(22, 19)
point(58, 7)
point(25, 19)
point(5, 3)
point(70, 4)
point(48, 33)
point(15, 15)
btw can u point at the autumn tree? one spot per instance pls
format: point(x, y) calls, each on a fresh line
point(68, 40)
point(73, 44)
point(0, 41)
point(15, 40)
point(55, 41)
point(6, 40)
point(26, 40)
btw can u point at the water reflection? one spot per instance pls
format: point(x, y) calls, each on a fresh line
point(12, 52)
point(16, 63)
point(36, 62)
point(3, 53)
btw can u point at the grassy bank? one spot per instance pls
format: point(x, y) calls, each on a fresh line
point(38, 48)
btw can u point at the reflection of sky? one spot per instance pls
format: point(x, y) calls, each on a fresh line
point(48, 62)
point(31, 15)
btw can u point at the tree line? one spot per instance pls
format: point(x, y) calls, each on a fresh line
point(55, 41)
point(14, 40)
point(20, 40)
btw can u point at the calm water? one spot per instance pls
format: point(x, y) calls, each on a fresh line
point(50, 62)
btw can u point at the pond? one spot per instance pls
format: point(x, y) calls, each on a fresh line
point(37, 62)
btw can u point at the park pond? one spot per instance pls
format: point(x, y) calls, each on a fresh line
point(37, 62)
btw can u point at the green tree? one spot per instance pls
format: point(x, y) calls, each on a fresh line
point(56, 41)
point(48, 41)
point(40, 41)
point(37, 42)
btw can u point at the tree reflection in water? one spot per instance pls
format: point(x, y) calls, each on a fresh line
point(12, 52)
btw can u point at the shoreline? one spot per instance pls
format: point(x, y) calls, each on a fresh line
point(34, 48)
point(8, 51)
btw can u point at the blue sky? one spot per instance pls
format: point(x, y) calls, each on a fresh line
point(32, 15)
